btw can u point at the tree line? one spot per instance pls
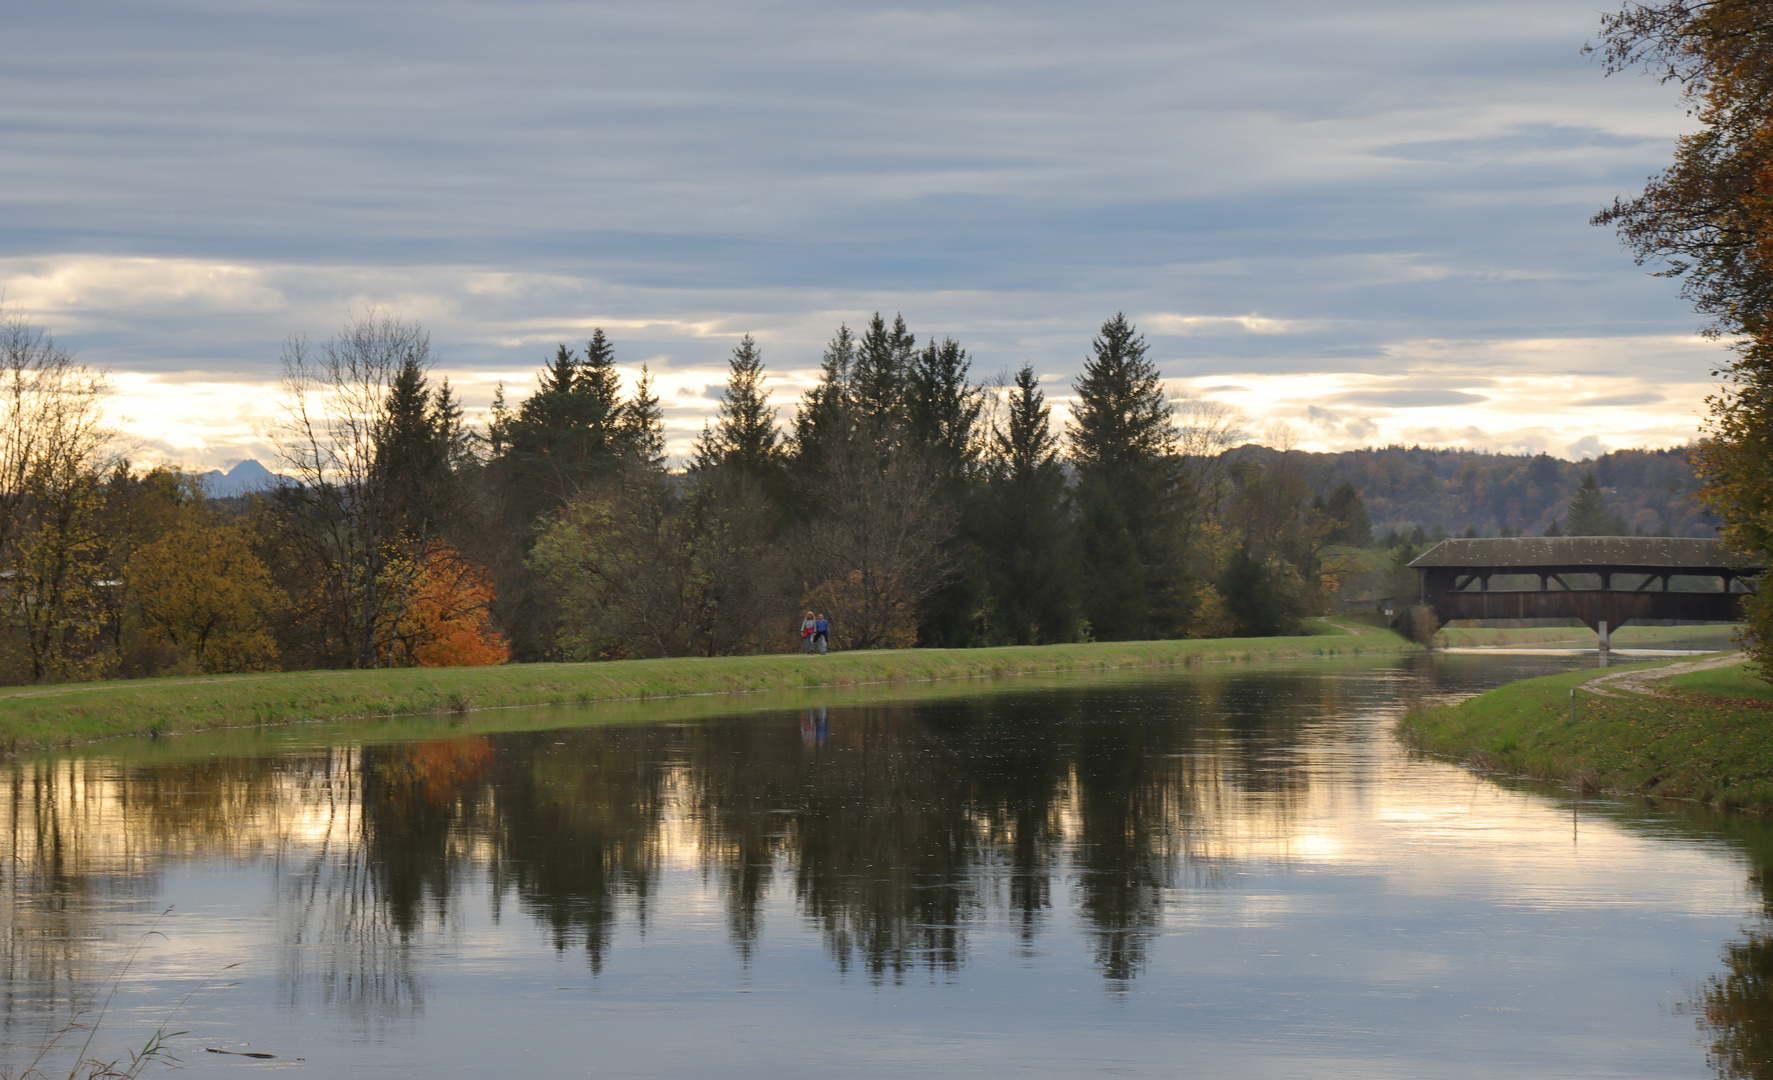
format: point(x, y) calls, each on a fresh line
point(905, 498)
point(1652, 492)
point(909, 501)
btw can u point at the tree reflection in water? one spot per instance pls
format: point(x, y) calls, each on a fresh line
point(899, 829)
point(1734, 1008)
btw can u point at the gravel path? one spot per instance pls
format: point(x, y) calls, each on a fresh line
point(1621, 683)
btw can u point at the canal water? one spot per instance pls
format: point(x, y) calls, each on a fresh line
point(1228, 871)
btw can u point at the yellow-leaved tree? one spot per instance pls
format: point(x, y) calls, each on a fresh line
point(202, 595)
point(1708, 220)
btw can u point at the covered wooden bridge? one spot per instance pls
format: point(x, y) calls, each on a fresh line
point(1605, 581)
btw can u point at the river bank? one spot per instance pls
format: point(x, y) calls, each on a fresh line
point(1669, 729)
point(1576, 637)
point(51, 716)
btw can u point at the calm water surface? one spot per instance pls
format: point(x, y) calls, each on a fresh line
point(1218, 873)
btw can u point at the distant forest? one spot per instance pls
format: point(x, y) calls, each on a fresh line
point(1466, 492)
point(902, 500)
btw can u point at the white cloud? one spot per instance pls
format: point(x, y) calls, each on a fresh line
point(1277, 190)
point(1164, 323)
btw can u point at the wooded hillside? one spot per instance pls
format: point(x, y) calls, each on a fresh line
point(1453, 491)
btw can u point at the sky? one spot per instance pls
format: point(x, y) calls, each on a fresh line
point(1359, 224)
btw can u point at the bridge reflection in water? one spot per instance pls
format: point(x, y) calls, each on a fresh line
point(1545, 577)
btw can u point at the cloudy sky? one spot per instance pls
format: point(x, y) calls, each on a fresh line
point(1367, 220)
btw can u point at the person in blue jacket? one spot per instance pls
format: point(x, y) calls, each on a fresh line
point(822, 631)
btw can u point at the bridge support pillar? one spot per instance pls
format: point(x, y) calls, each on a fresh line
point(1605, 639)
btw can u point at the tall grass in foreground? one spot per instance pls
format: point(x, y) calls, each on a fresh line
point(126, 1066)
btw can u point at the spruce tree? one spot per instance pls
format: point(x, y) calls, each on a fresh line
point(412, 468)
point(598, 394)
point(941, 410)
point(827, 414)
point(1123, 444)
point(744, 433)
point(1027, 538)
point(1349, 510)
point(498, 424)
point(942, 407)
point(641, 425)
point(883, 363)
point(1588, 514)
point(1122, 421)
point(567, 434)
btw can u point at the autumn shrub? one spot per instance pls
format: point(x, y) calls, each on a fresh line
point(1424, 624)
point(444, 612)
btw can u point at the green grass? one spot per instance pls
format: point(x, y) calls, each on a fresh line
point(64, 715)
point(1705, 736)
point(1625, 637)
point(1737, 682)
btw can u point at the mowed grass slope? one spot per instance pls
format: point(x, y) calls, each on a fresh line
point(1580, 637)
point(49, 716)
point(1706, 736)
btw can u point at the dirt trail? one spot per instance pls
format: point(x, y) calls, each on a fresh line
point(1621, 683)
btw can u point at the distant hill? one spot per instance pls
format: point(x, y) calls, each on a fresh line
point(1443, 492)
point(243, 479)
point(1452, 491)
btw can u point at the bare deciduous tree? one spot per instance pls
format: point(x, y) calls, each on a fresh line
point(746, 568)
point(881, 546)
point(52, 445)
point(1205, 430)
point(336, 420)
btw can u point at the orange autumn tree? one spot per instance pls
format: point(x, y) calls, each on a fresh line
point(439, 614)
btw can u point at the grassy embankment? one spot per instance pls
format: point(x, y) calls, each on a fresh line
point(1575, 637)
point(40, 717)
point(1703, 735)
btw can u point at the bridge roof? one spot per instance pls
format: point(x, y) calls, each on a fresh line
point(1569, 552)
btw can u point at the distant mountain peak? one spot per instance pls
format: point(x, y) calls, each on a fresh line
point(243, 478)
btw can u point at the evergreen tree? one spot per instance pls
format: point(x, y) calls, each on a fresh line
point(882, 365)
point(1122, 422)
point(943, 407)
point(941, 415)
point(744, 433)
point(1588, 514)
point(1123, 445)
point(1349, 510)
point(571, 431)
point(412, 468)
point(827, 414)
point(461, 444)
point(599, 391)
point(498, 423)
point(1253, 598)
point(641, 428)
point(1027, 537)
point(572, 436)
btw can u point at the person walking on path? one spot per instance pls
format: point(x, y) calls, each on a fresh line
point(809, 628)
point(822, 631)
